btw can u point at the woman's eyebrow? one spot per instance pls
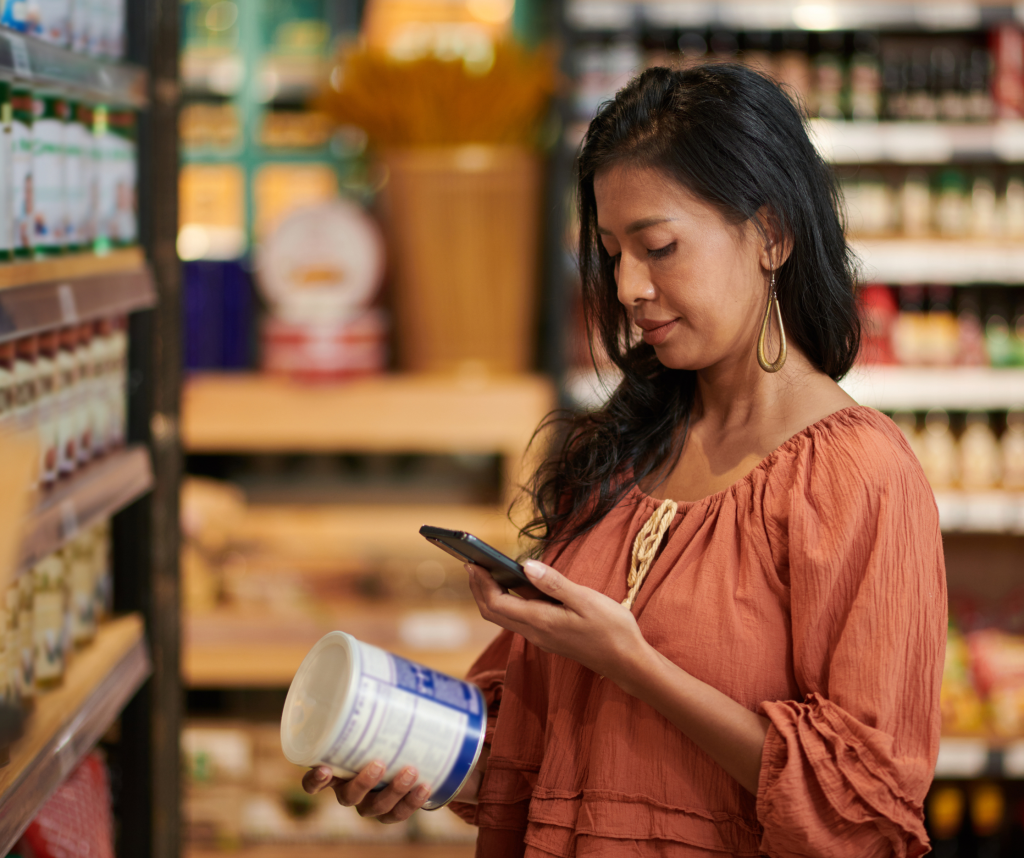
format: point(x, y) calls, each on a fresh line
point(637, 225)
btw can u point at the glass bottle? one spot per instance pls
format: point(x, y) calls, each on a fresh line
point(980, 460)
point(26, 637)
point(82, 586)
point(1012, 444)
point(48, 619)
point(48, 397)
point(67, 366)
point(939, 450)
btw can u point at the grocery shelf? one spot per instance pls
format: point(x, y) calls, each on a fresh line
point(66, 722)
point(917, 142)
point(301, 531)
point(252, 412)
point(980, 512)
point(344, 850)
point(92, 494)
point(613, 15)
point(971, 757)
point(115, 84)
point(50, 293)
point(887, 388)
point(246, 412)
point(961, 388)
point(951, 261)
point(248, 648)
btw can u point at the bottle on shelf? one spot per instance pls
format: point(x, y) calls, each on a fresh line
point(6, 386)
point(980, 459)
point(1012, 449)
point(1013, 208)
point(952, 215)
point(49, 215)
point(915, 204)
point(984, 208)
point(946, 806)
point(828, 77)
point(67, 362)
point(26, 351)
point(48, 620)
point(970, 334)
point(26, 669)
point(865, 78)
point(938, 447)
point(907, 424)
point(940, 335)
point(82, 584)
point(49, 395)
point(23, 196)
point(988, 818)
point(86, 393)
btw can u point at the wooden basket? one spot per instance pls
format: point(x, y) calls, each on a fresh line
point(463, 228)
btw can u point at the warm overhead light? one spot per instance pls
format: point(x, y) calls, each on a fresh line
point(814, 16)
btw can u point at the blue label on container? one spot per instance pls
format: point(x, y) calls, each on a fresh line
point(437, 686)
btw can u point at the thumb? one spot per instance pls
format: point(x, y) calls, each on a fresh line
point(551, 582)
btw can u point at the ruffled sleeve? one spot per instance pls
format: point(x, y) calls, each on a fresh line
point(846, 769)
point(488, 672)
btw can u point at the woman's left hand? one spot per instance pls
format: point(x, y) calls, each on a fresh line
point(587, 627)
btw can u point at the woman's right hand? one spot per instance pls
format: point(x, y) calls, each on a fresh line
point(395, 803)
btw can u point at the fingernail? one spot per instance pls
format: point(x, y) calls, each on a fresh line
point(535, 569)
point(407, 778)
point(323, 775)
point(421, 793)
point(376, 770)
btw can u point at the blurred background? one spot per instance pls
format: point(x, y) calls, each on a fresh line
point(326, 293)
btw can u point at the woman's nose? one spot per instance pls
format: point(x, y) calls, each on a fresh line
point(633, 282)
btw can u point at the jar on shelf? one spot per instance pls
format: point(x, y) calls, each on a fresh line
point(951, 205)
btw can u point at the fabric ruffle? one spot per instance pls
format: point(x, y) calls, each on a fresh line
point(818, 757)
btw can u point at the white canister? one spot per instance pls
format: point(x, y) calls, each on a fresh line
point(351, 703)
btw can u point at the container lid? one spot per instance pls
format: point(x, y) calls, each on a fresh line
point(317, 699)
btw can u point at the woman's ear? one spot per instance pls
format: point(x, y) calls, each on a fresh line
point(777, 243)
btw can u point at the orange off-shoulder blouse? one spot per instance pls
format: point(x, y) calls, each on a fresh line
point(813, 592)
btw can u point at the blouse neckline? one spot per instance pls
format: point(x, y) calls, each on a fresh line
point(764, 464)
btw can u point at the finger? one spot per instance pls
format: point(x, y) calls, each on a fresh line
point(408, 805)
point(353, 791)
point(554, 583)
point(491, 599)
point(316, 779)
point(379, 803)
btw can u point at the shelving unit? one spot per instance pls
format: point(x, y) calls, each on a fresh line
point(94, 494)
point(406, 414)
point(129, 673)
point(68, 721)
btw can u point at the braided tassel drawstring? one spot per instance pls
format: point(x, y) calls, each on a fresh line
point(645, 546)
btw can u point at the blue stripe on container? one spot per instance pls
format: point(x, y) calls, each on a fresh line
point(475, 728)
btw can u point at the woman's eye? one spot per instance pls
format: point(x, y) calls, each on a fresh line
point(659, 252)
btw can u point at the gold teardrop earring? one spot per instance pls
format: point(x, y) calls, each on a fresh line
point(761, 358)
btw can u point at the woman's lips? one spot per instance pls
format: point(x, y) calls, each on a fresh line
point(656, 336)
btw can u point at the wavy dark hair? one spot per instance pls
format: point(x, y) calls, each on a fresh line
point(732, 137)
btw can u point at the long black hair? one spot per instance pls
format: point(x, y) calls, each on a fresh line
point(732, 137)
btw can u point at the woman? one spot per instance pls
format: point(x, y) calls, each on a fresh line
point(748, 653)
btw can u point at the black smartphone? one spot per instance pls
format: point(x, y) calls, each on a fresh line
point(469, 549)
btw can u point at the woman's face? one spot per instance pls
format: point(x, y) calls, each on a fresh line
point(694, 283)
